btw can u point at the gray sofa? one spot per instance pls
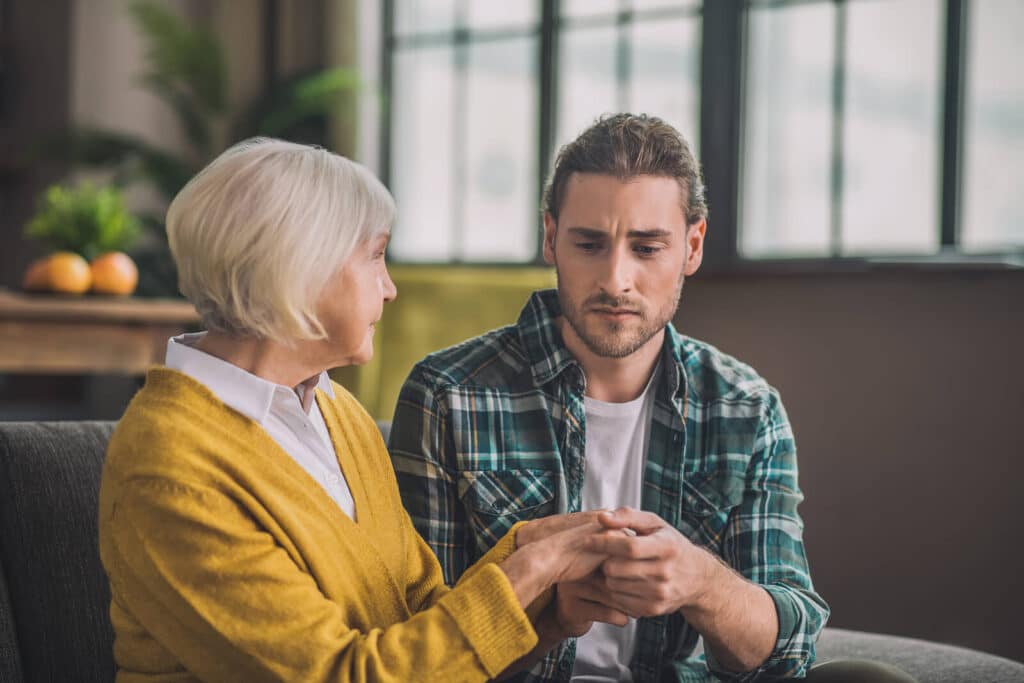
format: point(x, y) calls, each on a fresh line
point(54, 624)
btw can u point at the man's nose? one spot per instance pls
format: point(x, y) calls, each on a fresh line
point(617, 278)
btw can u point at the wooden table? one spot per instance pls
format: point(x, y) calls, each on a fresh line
point(51, 334)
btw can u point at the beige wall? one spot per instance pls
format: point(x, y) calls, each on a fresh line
point(77, 62)
point(906, 392)
point(106, 61)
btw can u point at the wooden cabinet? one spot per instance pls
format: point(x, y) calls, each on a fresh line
point(49, 334)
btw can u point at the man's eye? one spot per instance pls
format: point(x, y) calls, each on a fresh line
point(587, 246)
point(646, 250)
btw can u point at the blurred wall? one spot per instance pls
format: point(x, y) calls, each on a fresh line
point(106, 66)
point(79, 62)
point(906, 393)
point(34, 99)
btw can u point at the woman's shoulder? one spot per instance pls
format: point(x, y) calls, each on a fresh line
point(348, 410)
point(358, 426)
point(167, 427)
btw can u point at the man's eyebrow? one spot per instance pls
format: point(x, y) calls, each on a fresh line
point(591, 233)
point(653, 233)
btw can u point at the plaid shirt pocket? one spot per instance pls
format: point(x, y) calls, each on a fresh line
point(707, 501)
point(495, 500)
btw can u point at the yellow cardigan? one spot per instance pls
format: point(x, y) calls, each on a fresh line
point(228, 562)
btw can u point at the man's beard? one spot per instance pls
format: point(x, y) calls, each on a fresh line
point(617, 340)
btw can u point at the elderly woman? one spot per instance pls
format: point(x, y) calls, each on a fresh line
point(250, 522)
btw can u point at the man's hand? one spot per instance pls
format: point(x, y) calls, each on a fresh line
point(578, 604)
point(659, 571)
point(655, 572)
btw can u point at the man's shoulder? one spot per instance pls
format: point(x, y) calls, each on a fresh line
point(713, 375)
point(492, 359)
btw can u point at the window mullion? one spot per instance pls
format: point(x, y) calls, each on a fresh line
point(623, 66)
point(460, 126)
point(952, 120)
point(387, 81)
point(721, 88)
point(548, 100)
point(838, 120)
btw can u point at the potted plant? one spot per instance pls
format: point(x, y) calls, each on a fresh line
point(86, 229)
point(186, 69)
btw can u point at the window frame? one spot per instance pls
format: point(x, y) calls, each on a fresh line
point(722, 83)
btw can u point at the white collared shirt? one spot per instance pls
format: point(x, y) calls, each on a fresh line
point(275, 407)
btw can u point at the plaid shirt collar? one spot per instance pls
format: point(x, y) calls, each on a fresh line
point(549, 357)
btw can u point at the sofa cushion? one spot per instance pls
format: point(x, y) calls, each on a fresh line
point(928, 662)
point(59, 597)
point(10, 661)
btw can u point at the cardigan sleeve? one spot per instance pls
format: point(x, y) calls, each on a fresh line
point(229, 603)
point(427, 585)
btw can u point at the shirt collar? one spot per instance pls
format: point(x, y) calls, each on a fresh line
point(242, 391)
point(541, 338)
point(549, 357)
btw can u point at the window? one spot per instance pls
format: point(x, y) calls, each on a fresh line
point(475, 118)
point(993, 150)
point(828, 129)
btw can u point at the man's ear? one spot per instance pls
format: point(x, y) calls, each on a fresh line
point(550, 226)
point(695, 245)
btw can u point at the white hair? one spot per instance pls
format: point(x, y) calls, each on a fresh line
point(257, 234)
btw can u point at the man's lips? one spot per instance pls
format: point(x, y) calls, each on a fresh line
point(615, 312)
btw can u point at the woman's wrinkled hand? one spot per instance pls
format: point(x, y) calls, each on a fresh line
point(542, 528)
point(578, 604)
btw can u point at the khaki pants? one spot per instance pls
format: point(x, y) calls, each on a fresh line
point(856, 671)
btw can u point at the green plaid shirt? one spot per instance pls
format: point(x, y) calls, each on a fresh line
point(492, 431)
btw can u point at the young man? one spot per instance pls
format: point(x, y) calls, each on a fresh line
point(592, 401)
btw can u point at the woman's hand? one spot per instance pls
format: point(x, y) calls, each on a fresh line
point(563, 556)
point(578, 604)
point(539, 529)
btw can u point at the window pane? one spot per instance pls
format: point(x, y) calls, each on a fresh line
point(641, 5)
point(421, 154)
point(586, 80)
point(501, 218)
point(589, 8)
point(993, 207)
point(491, 14)
point(891, 131)
point(665, 64)
point(785, 198)
point(424, 16)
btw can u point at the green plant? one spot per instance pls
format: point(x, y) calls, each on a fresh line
point(87, 220)
point(185, 68)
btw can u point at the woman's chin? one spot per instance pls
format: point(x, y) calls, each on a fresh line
point(363, 355)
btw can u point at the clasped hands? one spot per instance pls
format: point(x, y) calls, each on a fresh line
point(625, 563)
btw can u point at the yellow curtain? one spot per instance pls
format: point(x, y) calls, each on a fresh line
point(436, 307)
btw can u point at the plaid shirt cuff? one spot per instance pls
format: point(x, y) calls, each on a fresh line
point(794, 648)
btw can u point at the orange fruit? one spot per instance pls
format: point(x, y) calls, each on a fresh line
point(114, 273)
point(68, 273)
point(37, 276)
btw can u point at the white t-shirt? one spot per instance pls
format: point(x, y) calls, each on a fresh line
point(616, 451)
